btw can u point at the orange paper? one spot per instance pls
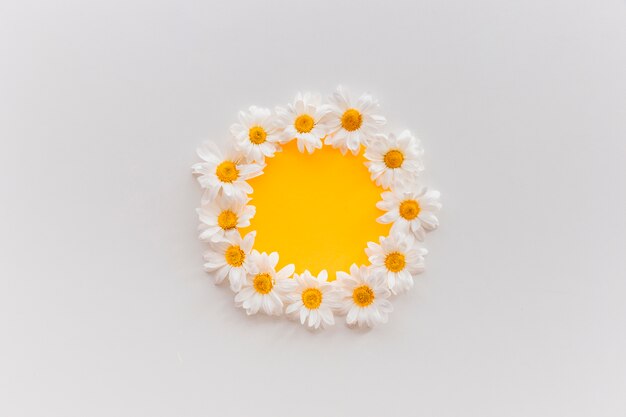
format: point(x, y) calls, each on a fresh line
point(318, 211)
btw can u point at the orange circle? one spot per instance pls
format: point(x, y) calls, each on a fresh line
point(318, 211)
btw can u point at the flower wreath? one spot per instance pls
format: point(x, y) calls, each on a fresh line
point(394, 162)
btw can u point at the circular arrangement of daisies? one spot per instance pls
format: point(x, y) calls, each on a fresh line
point(394, 161)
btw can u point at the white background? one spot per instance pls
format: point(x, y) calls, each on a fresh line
point(105, 309)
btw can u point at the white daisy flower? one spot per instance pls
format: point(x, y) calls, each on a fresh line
point(411, 212)
point(255, 134)
point(397, 259)
point(305, 120)
point(313, 298)
point(264, 286)
point(364, 296)
point(395, 161)
point(224, 173)
point(230, 258)
point(352, 123)
point(220, 218)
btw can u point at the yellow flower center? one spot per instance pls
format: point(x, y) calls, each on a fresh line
point(257, 135)
point(227, 171)
point(410, 209)
point(263, 283)
point(394, 159)
point(351, 120)
point(363, 296)
point(311, 298)
point(234, 256)
point(395, 262)
point(227, 220)
point(304, 123)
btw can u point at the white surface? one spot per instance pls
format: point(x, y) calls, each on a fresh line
point(105, 309)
